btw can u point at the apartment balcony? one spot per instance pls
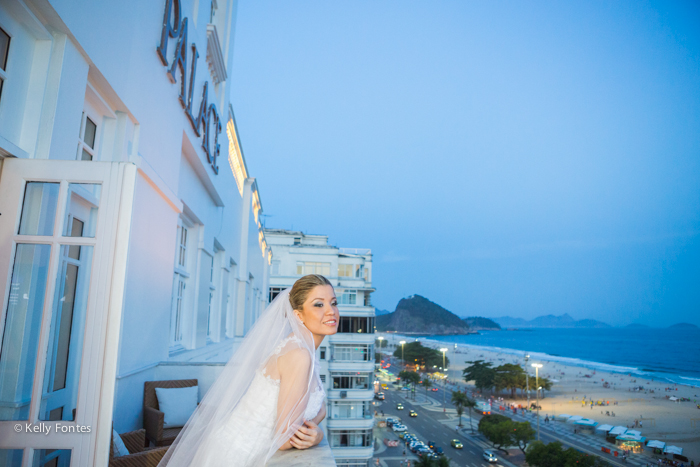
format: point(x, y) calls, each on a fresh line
point(351, 394)
point(350, 423)
point(341, 365)
point(356, 310)
point(352, 338)
point(359, 452)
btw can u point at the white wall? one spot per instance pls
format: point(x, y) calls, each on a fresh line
point(110, 47)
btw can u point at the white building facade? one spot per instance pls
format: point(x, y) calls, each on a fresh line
point(347, 358)
point(131, 248)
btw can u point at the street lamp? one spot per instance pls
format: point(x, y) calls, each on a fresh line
point(537, 384)
point(527, 380)
point(402, 360)
point(444, 381)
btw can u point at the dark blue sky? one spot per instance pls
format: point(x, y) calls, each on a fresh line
point(499, 158)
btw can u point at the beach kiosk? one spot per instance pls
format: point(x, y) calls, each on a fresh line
point(562, 417)
point(631, 443)
point(574, 419)
point(603, 429)
point(656, 447)
point(614, 433)
point(676, 452)
point(585, 425)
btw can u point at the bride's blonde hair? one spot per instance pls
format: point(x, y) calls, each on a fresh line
point(302, 287)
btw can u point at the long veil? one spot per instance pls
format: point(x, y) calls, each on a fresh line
point(276, 332)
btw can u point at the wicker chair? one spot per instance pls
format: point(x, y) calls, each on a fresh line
point(153, 418)
point(138, 455)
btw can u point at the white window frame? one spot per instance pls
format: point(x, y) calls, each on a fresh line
point(179, 309)
point(89, 112)
point(231, 303)
point(348, 293)
point(3, 72)
point(347, 270)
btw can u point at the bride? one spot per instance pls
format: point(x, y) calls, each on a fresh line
point(269, 396)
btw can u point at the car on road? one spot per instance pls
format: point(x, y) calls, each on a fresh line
point(457, 444)
point(398, 427)
point(414, 446)
point(390, 421)
point(405, 389)
point(399, 406)
point(434, 389)
point(380, 396)
point(412, 413)
point(490, 456)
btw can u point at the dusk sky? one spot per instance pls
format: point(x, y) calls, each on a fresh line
point(499, 158)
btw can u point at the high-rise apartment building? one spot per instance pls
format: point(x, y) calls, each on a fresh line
point(347, 358)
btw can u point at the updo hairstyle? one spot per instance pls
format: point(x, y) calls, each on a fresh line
point(302, 287)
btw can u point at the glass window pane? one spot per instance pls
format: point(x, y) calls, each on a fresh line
point(39, 208)
point(11, 457)
point(4, 48)
point(86, 156)
point(51, 458)
point(81, 212)
point(90, 131)
point(21, 333)
point(60, 390)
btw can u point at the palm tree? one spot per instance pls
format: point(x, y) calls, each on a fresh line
point(470, 404)
point(427, 384)
point(459, 400)
point(425, 461)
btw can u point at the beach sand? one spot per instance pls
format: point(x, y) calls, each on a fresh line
point(675, 423)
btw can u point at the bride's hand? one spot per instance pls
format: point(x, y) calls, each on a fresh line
point(307, 436)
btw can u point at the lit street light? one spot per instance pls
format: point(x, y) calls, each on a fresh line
point(444, 381)
point(527, 380)
point(402, 360)
point(537, 385)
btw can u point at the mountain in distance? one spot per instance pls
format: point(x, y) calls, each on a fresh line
point(378, 312)
point(418, 315)
point(477, 323)
point(683, 326)
point(549, 321)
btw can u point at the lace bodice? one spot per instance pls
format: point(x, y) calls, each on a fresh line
point(246, 437)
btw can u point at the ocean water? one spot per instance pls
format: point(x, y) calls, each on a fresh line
point(667, 354)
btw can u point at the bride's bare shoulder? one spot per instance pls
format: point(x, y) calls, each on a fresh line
point(293, 357)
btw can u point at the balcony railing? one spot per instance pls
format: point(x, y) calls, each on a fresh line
point(320, 455)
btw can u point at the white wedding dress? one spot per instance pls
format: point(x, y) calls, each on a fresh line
point(245, 438)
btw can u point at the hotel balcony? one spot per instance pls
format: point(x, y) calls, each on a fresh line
point(356, 310)
point(352, 338)
point(359, 452)
point(341, 365)
point(350, 423)
point(351, 394)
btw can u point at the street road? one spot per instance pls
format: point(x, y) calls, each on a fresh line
point(429, 426)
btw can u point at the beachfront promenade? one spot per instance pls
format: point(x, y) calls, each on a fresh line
point(661, 418)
